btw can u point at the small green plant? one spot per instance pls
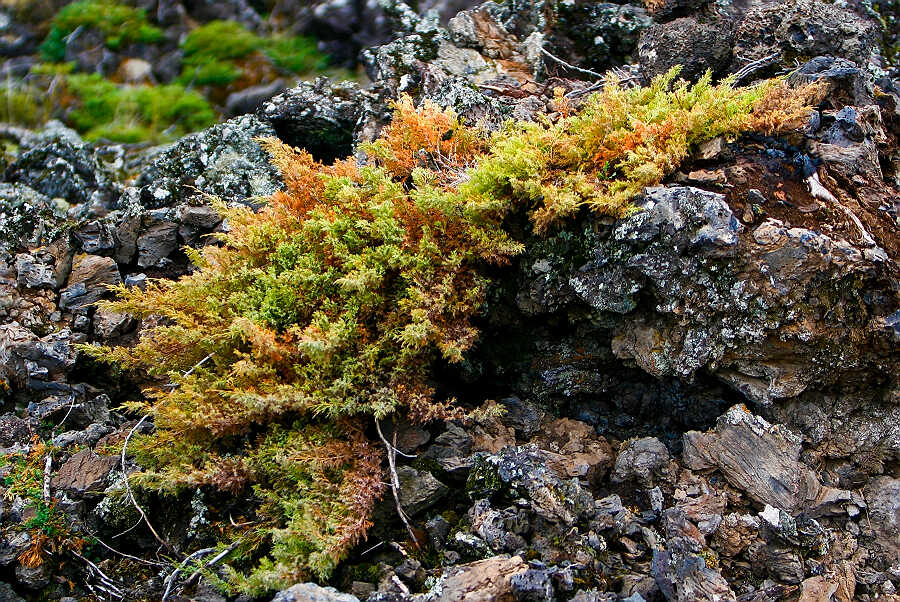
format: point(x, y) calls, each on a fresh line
point(133, 113)
point(23, 104)
point(210, 52)
point(324, 313)
point(50, 529)
point(219, 41)
point(297, 54)
point(119, 23)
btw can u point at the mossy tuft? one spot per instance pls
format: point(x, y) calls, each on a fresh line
point(120, 24)
point(324, 313)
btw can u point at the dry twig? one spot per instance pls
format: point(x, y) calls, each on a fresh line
point(571, 66)
point(754, 66)
point(48, 465)
point(211, 563)
point(124, 555)
point(170, 580)
point(395, 479)
point(105, 584)
point(128, 486)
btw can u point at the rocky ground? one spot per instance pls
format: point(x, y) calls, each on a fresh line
point(701, 400)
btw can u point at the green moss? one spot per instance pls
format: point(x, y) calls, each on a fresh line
point(211, 73)
point(121, 24)
point(53, 48)
point(326, 312)
point(211, 49)
point(135, 113)
point(297, 54)
point(23, 104)
point(219, 41)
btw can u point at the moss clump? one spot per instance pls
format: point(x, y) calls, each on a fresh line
point(135, 113)
point(210, 52)
point(324, 313)
point(24, 104)
point(121, 24)
point(297, 54)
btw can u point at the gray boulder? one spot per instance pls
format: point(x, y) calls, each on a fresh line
point(645, 461)
point(58, 164)
point(419, 490)
point(322, 117)
point(803, 29)
point(224, 160)
point(696, 46)
point(882, 495)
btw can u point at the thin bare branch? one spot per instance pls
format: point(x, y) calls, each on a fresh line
point(128, 486)
point(755, 66)
point(818, 190)
point(171, 578)
point(106, 585)
point(571, 66)
point(395, 479)
point(48, 465)
point(211, 563)
point(124, 555)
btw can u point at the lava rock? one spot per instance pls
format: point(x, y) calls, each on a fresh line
point(58, 164)
point(321, 117)
point(489, 579)
point(250, 99)
point(847, 83)
point(882, 495)
point(88, 281)
point(645, 461)
point(34, 363)
point(224, 160)
point(803, 29)
point(762, 460)
point(419, 490)
point(310, 592)
point(83, 473)
point(696, 46)
point(600, 34)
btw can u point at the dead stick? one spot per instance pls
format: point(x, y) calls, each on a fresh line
point(211, 563)
point(754, 66)
point(571, 66)
point(171, 578)
point(48, 465)
point(105, 582)
point(395, 480)
point(124, 555)
point(128, 486)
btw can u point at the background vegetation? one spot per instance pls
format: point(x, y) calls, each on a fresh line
point(219, 58)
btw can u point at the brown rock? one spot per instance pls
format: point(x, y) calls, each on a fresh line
point(835, 586)
point(760, 459)
point(88, 280)
point(483, 581)
point(575, 449)
point(735, 534)
point(83, 472)
point(491, 435)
